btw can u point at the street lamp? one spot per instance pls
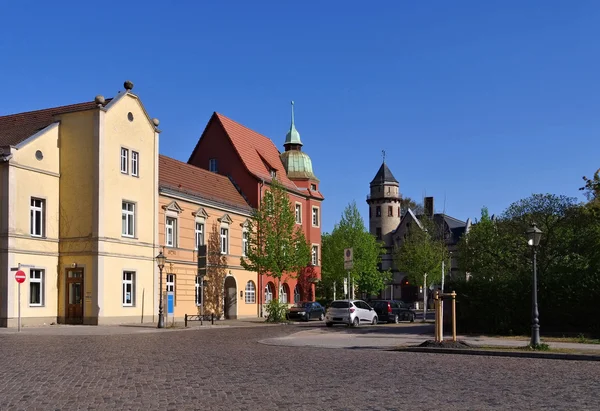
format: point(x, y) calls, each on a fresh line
point(160, 261)
point(534, 235)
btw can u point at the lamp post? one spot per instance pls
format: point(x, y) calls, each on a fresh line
point(160, 261)
point(534, 235)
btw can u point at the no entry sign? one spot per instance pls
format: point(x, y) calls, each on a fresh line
point(20, 276)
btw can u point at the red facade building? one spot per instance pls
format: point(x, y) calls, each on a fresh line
point(252, 161)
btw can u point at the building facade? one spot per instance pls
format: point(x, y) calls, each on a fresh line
point(198, 208)
point(390, 223)
point(251, 161)
point(78, 213)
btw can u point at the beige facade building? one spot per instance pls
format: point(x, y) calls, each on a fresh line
point(198, 207)
point(78, 213)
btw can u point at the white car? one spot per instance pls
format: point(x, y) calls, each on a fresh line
point(354, 313)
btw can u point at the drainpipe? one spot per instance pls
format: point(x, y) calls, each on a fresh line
point(260, 286)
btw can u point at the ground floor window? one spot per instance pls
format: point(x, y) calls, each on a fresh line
point(297, 293)
point(283, 294)
point(128, 289)
point(36, 288)
point(250, 294)
point(268, 293)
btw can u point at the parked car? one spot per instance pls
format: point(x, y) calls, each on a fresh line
point(359, 311)
point(393, 311)
point(306, 310)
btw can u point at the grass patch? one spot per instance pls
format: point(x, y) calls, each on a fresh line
point(545, 349)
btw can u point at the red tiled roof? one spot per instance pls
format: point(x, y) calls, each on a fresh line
point(16, 128)
point(186, 178)
point(255, 149)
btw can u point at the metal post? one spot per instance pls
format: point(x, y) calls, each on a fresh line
point(442, 302)
point(19, 310)
point(334, 290)
point(425, 297)
point(348, 289)
point(535, 322)
point(201, 298)
point(185, 320)
point(161, 321)
point(453, 315)
point(436, 302)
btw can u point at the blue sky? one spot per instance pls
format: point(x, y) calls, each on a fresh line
point(474, 103)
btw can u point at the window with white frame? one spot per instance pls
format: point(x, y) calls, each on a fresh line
point(268, 293)
point(171, 285)
point(245, 237)
point(37, 215)
point(199, 234)
point(315, 216)
point(128, 219)
point(128, 289)
point(171, 232)
point(297, 294)
point(250, 293)
point(36, 288)
point(283, 294)
point(315, 255)
point(198, 288)
point(212, 165)
point(135, 163)
point(124, 160)
point(224, 240)
point(298, 213)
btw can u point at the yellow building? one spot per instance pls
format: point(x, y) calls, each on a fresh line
point(78, 213)
point(198, 207)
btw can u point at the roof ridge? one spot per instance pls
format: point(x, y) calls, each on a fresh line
point(242, 125)
point(203, 170)
point(57, 108)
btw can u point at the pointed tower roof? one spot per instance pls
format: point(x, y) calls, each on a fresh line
point(384, 175)
point(292, 137)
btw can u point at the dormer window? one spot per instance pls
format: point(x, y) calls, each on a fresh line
point(313, 187)
point(273, 173)
point(212, 165)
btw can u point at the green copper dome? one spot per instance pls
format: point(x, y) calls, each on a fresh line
point(293, 137)
point(297, 164)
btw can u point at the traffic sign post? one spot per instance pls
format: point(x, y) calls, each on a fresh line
point(348, 264)
point(20, 277)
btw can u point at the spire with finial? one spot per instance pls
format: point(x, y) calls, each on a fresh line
point(383, 154)
point(293, 137)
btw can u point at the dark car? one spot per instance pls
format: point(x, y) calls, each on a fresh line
point(393, 311)
point(306, 310)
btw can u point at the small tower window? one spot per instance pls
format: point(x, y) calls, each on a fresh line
point(378, 211)
point(390, 211)
point(378, 233)
point(399, 214)
point(370, 212)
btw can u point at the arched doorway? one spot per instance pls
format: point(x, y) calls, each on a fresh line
point(230, 298)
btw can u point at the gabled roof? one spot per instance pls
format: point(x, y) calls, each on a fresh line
point(16, 128)
point(252, 148)
point(384, 175)
point(188, 179)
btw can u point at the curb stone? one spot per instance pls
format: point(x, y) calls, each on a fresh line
point(492, 353)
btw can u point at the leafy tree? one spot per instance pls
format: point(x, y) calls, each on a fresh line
point(216, 270)
point(276, 244)
point(367, 252)
point(490, 250)
point(407, 202)
point(421, 253)
point(592, 187)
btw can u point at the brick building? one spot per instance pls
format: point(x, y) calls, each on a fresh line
point(251, 161)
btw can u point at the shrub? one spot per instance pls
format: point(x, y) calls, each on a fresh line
point(276, 311)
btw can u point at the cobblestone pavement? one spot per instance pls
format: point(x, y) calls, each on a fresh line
point(226, 369)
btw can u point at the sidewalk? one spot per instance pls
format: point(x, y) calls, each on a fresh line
point(118, 329)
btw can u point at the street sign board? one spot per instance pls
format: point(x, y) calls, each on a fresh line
point(20, 276)
point(348, 259)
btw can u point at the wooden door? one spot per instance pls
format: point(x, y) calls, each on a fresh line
point(74, 296)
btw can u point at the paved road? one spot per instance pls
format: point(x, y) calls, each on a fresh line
point(227, 369)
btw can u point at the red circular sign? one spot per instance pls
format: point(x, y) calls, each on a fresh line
point(20, 276)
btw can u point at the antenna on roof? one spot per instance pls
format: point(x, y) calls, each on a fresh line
point(444, 212)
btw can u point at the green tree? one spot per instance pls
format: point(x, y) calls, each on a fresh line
point(407, 202)
point(350, 232)
point(276, 244)
point(591, 187)
point(421, 253)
